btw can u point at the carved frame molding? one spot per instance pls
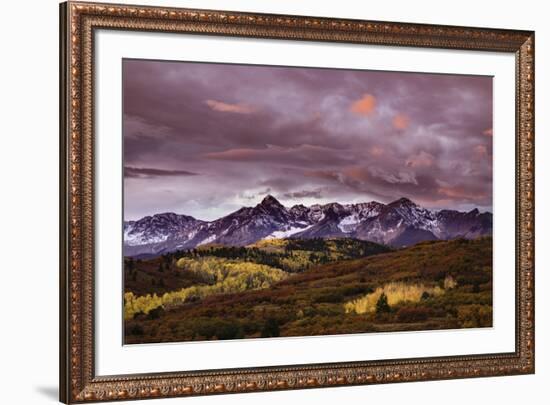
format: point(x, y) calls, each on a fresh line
point(78, 381)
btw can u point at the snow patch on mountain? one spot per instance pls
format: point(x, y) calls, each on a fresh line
point(139, 238)
point(349, 224)
point(287, 233)
point(205, 241)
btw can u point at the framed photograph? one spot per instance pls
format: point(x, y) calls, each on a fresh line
point(255, 202)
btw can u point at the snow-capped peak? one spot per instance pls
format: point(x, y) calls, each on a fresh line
point(400, 222)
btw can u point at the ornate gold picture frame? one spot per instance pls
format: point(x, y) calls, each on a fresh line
point(79, 381)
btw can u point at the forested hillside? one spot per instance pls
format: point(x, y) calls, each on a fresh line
point(308, 287)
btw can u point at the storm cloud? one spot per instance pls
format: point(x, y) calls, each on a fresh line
point(149, 172)
point(204, 139)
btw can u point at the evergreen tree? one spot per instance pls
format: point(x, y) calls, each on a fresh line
point(382, 305)
point(271, 328)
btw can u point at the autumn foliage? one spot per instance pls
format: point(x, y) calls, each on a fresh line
point(303, 288)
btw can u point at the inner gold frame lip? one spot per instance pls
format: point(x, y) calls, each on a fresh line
point(78, 381)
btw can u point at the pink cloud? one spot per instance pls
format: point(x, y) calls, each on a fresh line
point(303, 154)
point(458, 192)
point(421, 159)
point(365, 105)
point(323, 174)
point(228, 107)
point(480, 151)
point(356, 173)
point(401, 121)
point(376, 151)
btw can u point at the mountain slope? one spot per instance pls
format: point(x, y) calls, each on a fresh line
point(399, 223)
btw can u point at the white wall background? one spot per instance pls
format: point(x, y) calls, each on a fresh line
point(29, 198)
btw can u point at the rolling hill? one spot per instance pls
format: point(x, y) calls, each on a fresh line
point(431, 285)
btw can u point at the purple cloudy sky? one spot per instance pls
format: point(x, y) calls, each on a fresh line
point(206, 139)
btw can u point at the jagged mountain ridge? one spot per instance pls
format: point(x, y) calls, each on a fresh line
point(399, 223)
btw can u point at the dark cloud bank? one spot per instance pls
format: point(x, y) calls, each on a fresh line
point(206, 139)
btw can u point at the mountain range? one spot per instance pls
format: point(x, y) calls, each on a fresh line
point(399, 223)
